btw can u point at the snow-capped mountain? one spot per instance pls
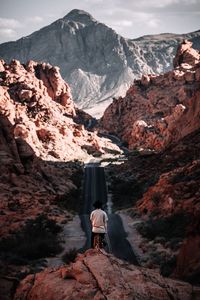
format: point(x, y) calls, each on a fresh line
point(98, 63)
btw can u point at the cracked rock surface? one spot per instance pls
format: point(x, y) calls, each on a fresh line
point(98, 276)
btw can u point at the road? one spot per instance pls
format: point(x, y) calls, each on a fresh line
point(95, 189)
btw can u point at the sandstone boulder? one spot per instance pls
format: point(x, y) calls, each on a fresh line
point(98, 276)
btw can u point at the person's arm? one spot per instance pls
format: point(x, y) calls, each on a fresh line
point(105, 221)
point(91, 216)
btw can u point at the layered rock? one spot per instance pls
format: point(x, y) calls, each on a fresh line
point(159, 109)
point(98, 63)
point(98, 276)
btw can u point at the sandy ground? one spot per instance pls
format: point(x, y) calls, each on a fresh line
point(145, 250)
point(133, 237)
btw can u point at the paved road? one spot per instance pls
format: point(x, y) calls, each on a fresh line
point(95, 189)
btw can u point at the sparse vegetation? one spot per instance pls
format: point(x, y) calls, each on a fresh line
point(37, 239)
point(171, 227)
point(167, 266)
point(125, 192)
point(70, 255)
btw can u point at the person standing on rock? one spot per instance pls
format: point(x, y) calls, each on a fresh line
point(99, 219)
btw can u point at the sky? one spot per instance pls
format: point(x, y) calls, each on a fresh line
point(130, 18)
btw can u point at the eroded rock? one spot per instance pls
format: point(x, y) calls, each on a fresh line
point(167, 104)
point(98, 276)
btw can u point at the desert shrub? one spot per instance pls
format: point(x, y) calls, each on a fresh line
point(174, 243)
point(173, 226)
point(125, 192)
point(71, 201)
point(70, 255)
point(182, 177)
point(168, 266)
point(157, 258)
point(160, 240)
point(37, 239)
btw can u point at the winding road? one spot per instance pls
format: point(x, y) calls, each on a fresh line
point(95, 189)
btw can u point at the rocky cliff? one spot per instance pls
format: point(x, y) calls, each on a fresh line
point(42, 136)
point(98, 63)
point(158, 110)
point(38, 103)
point(98, 276)
point(39, 136)
point(162, 191)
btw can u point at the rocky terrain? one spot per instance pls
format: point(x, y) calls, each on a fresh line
point(98, 63)
point(159, 110)
point(163, 195)
point(39, 137)
point(88, 278)
point(159, 183)
point(42, 137)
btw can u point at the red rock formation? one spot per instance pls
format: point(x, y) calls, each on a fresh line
point(185, 54)
point(188, 262)
point(98, 276)
point(38, 137)
point(166, 186)
point(30, 97)
point(159, 109)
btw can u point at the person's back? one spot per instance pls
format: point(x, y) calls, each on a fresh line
point(99, 220)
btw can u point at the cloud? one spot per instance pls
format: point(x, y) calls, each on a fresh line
point(155, 4)
point(7, 33)
point(9, 23)
point(123, 23)
point(34, 19)
point(8, 28)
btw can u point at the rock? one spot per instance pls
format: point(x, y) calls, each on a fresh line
point(88, 278)
point(38, 139)
point(158, 110)
point(163, 191)
point(188, 259)
point(185, 54)
point(95, 72)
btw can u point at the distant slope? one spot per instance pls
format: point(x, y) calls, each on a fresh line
point(98, 63)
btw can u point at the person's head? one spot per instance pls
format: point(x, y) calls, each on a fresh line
point(98, 204)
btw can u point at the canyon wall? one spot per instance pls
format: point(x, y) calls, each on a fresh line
point(159, 110)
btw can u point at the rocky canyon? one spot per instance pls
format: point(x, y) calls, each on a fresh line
point(147, 141)
point(158, 110)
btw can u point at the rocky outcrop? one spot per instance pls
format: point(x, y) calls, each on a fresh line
point(38, 103)
point(39, 139)
point(185, 54)
point(98, 63)
point(163, 189)
point(98, 276)
point(159, 109)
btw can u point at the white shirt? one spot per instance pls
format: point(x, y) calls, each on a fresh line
point(99, 220)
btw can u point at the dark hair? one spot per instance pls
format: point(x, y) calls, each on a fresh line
point(98, 204)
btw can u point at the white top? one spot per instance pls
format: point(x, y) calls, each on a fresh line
point(99, 220)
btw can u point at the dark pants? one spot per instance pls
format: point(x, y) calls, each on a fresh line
point(93, 235)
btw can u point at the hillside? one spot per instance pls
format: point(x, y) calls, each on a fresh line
point(97, 63)
point(158, 110)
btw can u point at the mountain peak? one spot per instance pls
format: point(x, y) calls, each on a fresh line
point(80, 16)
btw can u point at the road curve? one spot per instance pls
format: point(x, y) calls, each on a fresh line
point(95, 189)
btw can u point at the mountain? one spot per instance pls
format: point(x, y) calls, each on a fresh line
point(97, 63)
point(159, 110)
